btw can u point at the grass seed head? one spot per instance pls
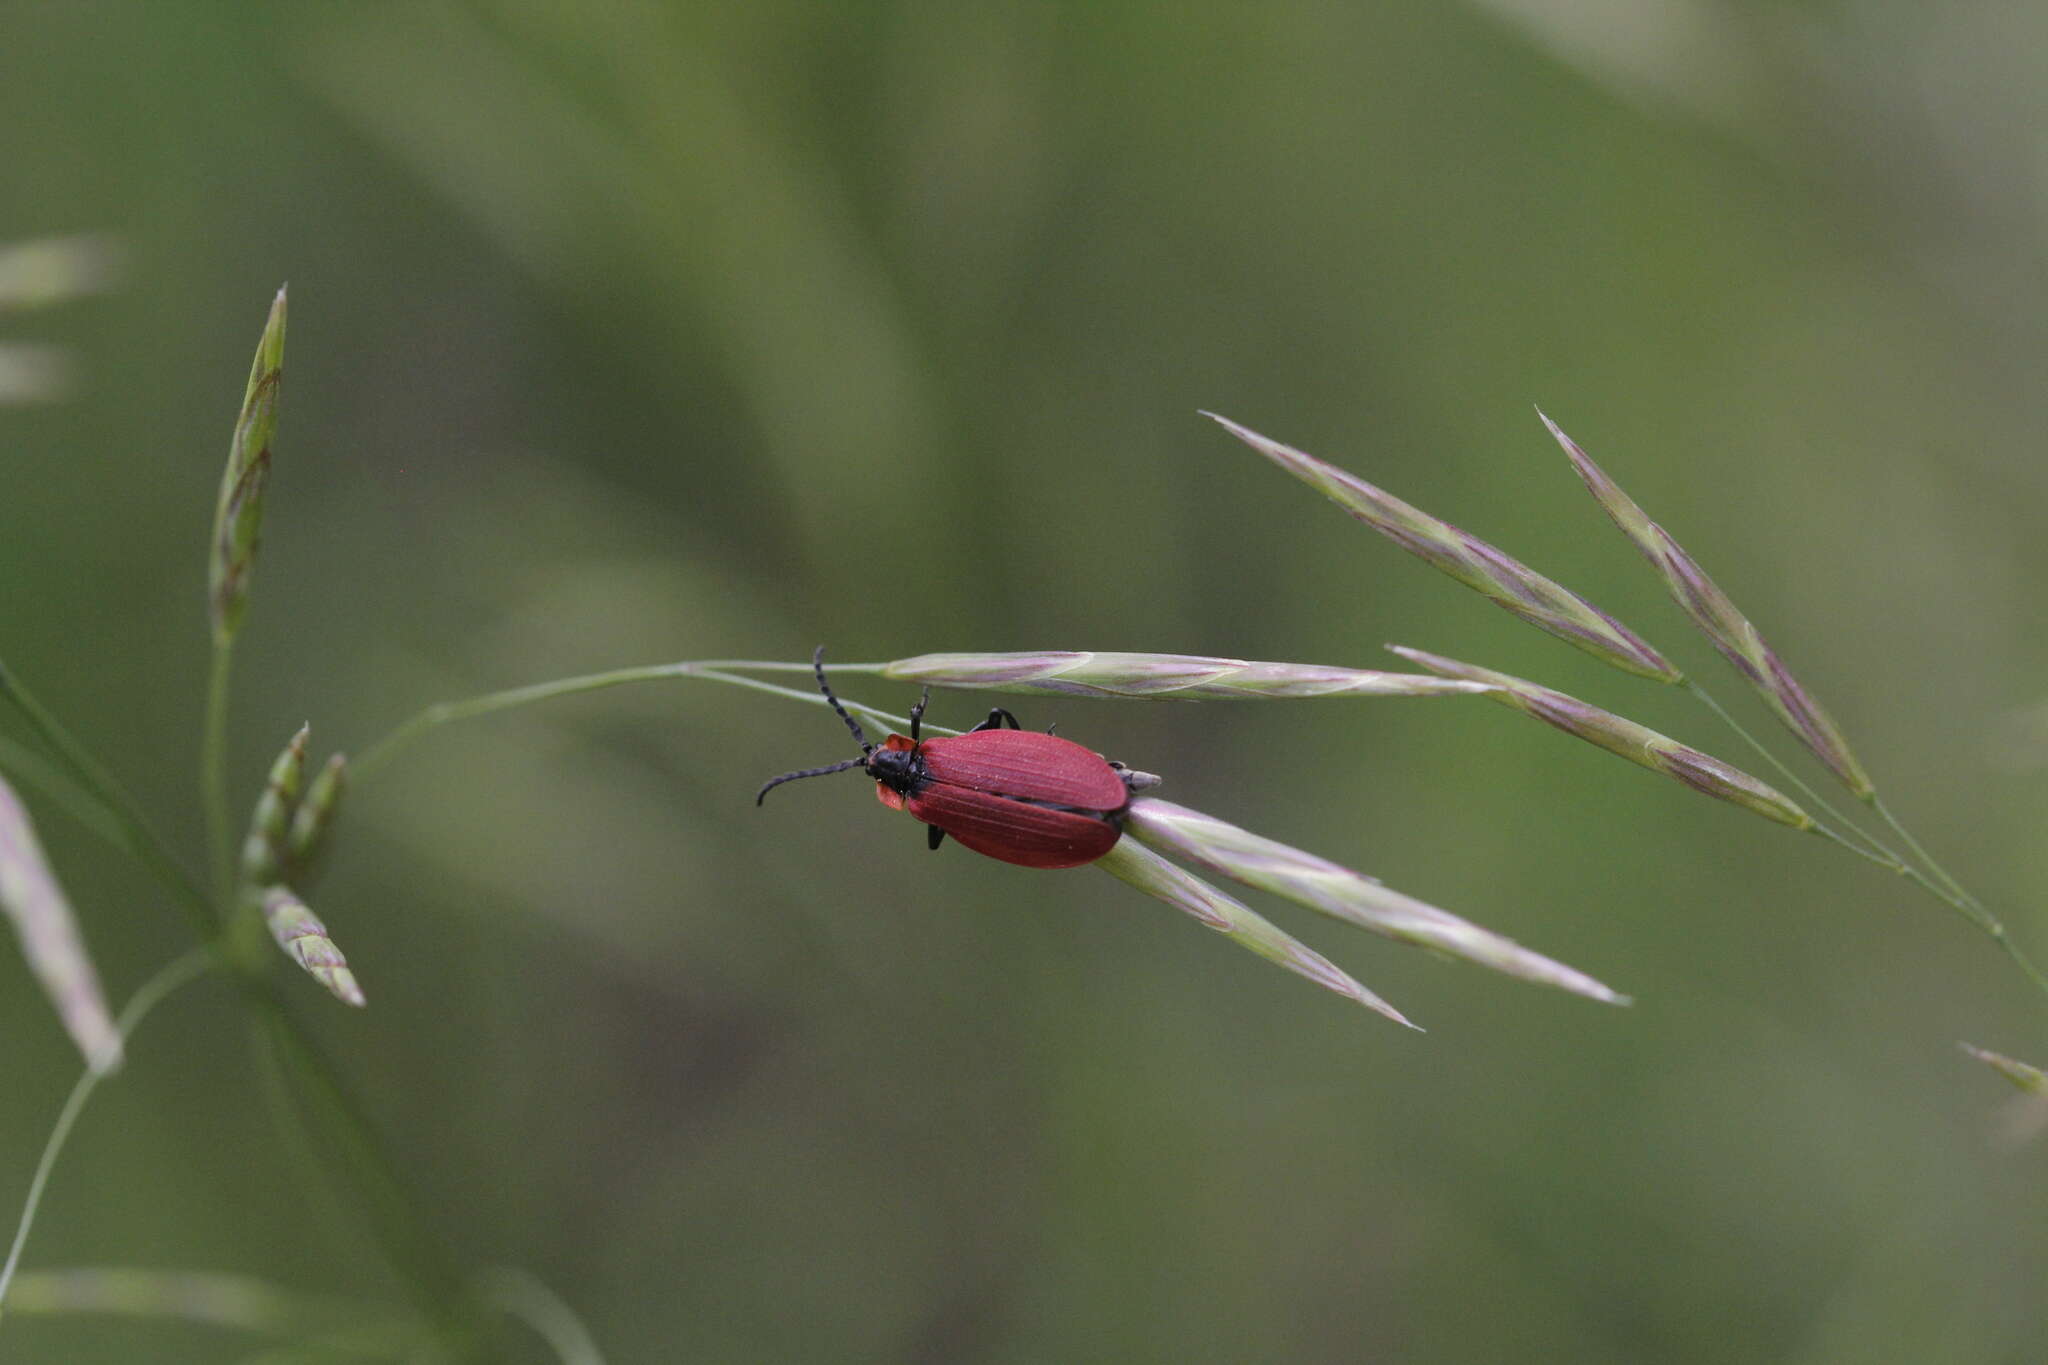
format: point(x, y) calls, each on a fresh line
point(265, 847)
point(1505, 580)
point(2030, 1079)
point(1637, 743)
point(1134, 864)
point(315, 817)
point(305, 941)
point(1324, 886)
point(1189, 677)
point(51, 270)
point(1717, 617)
point(238, 515)
point(31, 897)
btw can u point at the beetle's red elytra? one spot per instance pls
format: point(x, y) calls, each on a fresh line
point(1019, 796)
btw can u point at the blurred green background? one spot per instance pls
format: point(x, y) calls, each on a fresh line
point(626, 333)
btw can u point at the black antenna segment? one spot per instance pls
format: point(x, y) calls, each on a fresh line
point(818, 667)
point(775, 782)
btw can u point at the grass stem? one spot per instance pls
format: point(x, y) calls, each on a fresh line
point(147, 997)
point(213, 769)
point(711, 670)
point(1882, 854)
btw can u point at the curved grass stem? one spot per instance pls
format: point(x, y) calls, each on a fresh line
point(1929, 875)
point(1879, 853)
point(147, 997)
point(710, 670)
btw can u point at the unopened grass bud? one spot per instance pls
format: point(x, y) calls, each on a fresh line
point(315, 817)
point(305, 940)
point(238, 513)
point(264, 847)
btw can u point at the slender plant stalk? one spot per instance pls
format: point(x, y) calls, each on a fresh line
point(713, 670)
point(213, 770)
point(1882, 854)
point(147, 997)
point(424, 1262)
point(1934, 879)
point(521, 1295)
point(398, 1225)
point(1926, 858)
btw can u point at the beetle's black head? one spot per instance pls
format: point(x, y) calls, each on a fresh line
point(896, 769)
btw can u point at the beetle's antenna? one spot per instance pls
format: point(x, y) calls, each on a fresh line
point(775, 782)
point(818, 667)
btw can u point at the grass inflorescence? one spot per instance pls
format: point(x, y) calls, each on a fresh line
point(256, 899)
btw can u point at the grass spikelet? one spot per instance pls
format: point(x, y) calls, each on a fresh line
point(238, 515)
point(2030, 1079)
point(315, 817)
point(1508, 582)
point(1727, 628)
point(51, 270)
point(305, 941)
point(1191, 677)
point(1637, 743)
point(265, 846)
point(33, 374)
point(1135, 865)
point(1337, 891)
point(32, 898)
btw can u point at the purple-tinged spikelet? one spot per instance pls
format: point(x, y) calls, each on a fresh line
point(308, 837)
point(238, 515)
point(1134, 864)
point(1337, 891)
point(1718, 619)
point(1637, 743)
point(1511, 584)
point(31, 897)
point(305, 940)
point(1180, 676)
point(264, 847)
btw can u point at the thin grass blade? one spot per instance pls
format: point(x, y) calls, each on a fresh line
point(1505, 580)
point(1637, 743)
point(1717, 617)
point(1223, 848)
point(31, 897)
point(238, 514)
point(305, 940)
point(1188, 677)
point(1135, 865)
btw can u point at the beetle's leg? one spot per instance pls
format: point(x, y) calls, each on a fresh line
point(996, 720)
point(1053, 728)
point(934, 836)
point(917, 713)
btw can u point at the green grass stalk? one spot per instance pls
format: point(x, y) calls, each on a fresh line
point(147, 997)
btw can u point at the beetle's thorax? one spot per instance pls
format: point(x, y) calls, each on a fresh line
point(897, 769)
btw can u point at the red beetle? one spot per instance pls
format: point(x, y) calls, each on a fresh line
point(1016, 795)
